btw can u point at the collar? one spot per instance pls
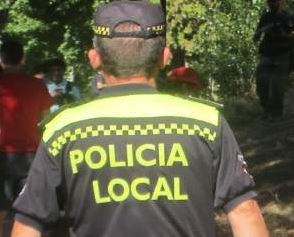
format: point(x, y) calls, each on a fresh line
point(127, 89)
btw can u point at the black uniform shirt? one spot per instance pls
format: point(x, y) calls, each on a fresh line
point(277, 27)
point(135, 162)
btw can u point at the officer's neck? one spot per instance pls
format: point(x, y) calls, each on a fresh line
point(114, 81)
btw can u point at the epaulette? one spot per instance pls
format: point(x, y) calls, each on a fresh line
point(49, 117)
point(218, 106)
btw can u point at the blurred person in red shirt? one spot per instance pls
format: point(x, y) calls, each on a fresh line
point(23, 102)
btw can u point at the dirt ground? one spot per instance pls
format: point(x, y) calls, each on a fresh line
point(269, 149)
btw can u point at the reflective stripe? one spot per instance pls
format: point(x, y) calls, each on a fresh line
point(129, 130)
point(133, 106)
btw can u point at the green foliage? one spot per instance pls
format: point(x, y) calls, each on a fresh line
point(53, 28)
point(215, 37)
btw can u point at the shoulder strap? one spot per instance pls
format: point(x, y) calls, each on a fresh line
point(207, 102)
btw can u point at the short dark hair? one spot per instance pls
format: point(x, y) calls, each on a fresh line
point(123, 57)
point(11, 52)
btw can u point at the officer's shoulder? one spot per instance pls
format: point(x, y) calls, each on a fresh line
point(64, 109)
point(52, 116)
point(209, 103)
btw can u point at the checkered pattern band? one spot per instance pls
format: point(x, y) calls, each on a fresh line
point(129, 130)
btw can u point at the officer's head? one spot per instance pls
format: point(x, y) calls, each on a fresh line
point(11, 53)
point(130, 38)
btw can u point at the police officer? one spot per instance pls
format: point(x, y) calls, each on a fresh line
point(277, 28)
point(134, 162)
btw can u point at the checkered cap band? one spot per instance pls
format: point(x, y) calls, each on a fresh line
point(150, 17)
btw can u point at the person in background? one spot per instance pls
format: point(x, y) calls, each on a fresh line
point(61, 90)
point(39, 71)
point(184, 80)
point(97, 82)
point(135, 162)
point(23, 103)
point(275, 34)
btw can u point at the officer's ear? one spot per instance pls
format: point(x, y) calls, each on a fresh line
point(94, 59)
point(166, 56)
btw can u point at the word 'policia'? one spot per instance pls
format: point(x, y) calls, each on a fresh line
point(162, 156)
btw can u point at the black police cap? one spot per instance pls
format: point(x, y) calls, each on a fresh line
point(150, 17)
